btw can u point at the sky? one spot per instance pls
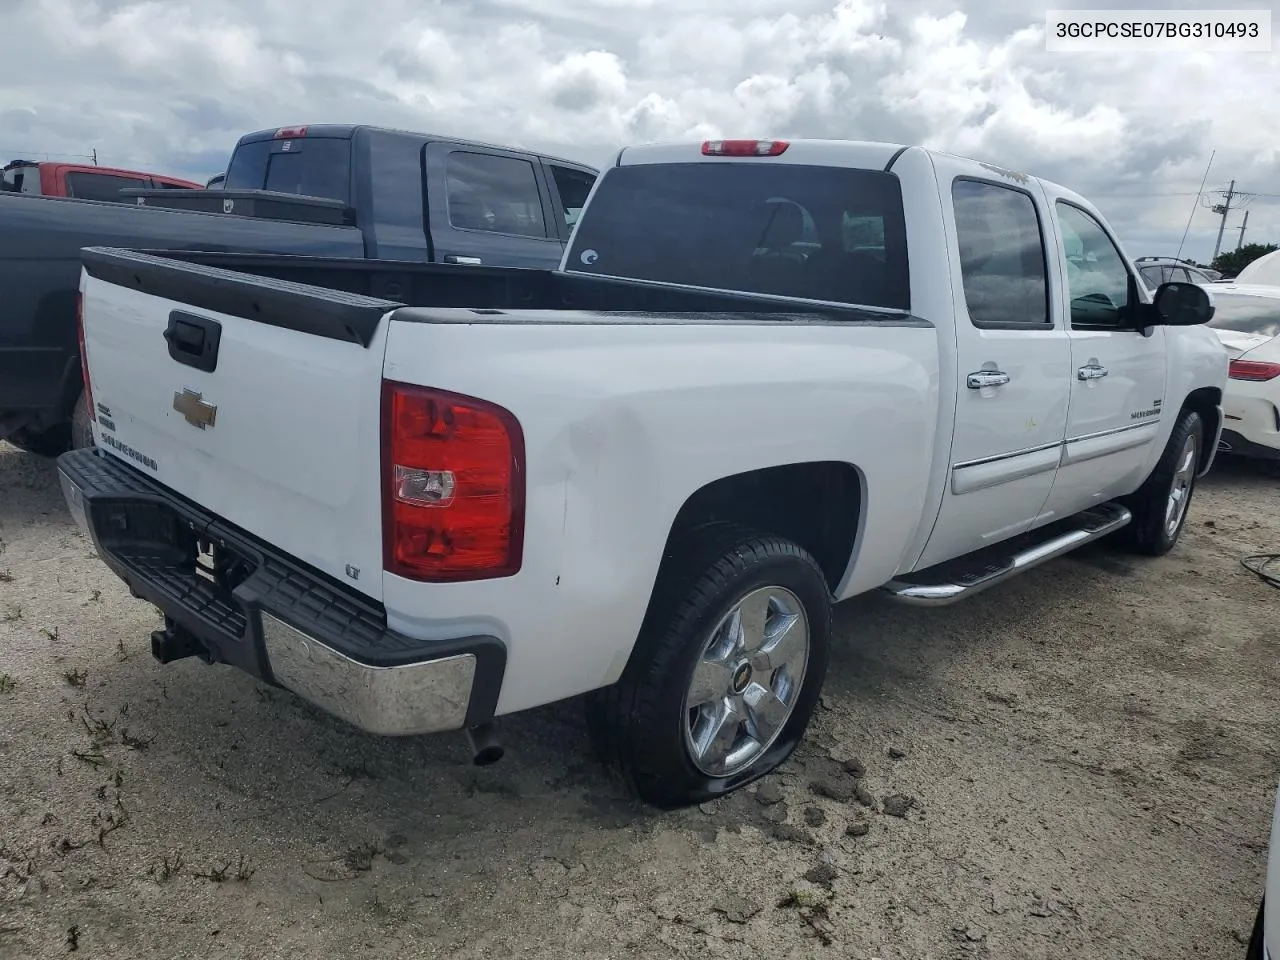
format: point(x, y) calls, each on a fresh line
point(169, 85)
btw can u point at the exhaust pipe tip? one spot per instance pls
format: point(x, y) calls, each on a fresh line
point(485, 748)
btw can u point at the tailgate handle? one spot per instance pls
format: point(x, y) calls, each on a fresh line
point(193, 341)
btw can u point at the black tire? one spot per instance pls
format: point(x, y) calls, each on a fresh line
point(638, 724)
point(72, 435)
point(43, 443)
point(1148, 533)
point(81, 426)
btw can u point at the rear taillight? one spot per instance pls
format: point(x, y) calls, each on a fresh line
point(744, 148)
point(453, 486)
point(1255, 370)
point(290, 133)
point(84, 358)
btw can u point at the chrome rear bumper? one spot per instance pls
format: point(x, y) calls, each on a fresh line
point(269, 614)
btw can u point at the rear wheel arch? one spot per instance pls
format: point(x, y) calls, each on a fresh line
point(815, 504)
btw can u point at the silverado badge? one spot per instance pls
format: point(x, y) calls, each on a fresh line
point(199, 412)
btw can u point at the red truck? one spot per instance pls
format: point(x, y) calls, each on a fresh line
point(81, 181)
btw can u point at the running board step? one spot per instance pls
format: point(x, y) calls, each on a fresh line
point(963, 577)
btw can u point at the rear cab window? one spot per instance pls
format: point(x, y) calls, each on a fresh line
point(823, 233)
point(305, 166)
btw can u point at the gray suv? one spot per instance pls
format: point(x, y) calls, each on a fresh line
point(1157, 270)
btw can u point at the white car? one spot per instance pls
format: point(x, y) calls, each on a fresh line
point(1266, 269)
point(1247, 320)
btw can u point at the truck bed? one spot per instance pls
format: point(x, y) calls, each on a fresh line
point(269, 403)
point(271, 278)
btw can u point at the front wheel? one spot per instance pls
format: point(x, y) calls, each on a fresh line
point(726, 672)
point(1161, 503)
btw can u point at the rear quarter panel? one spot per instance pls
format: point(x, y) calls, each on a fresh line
point(623, 421)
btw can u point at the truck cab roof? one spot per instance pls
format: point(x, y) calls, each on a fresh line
point(860, 154)
point(346, 131)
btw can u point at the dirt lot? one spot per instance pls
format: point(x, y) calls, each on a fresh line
point(1090, 756)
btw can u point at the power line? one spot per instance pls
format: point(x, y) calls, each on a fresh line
point(1191, 216)
point(1183, 193)
point(1178, 193)
point(50, 154)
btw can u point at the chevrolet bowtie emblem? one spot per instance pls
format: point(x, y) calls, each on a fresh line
point(199, 412)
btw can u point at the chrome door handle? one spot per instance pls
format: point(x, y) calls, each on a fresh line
point(454, 258)
point(987, 378)
point(1091, 371)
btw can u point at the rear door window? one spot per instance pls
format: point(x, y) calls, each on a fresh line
point(1002, 255)
point(812, 232)
point(1153, 276)
point(305, 166)
point(495, 194)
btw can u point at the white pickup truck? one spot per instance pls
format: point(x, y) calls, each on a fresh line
point(768, 376)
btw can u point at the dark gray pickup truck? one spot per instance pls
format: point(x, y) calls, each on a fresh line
point(355, 192)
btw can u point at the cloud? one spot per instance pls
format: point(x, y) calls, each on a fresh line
point(171, 84)
point(583, 81)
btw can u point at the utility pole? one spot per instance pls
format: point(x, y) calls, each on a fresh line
point(1223, 209)
point(95, 159)
point(1240, 242)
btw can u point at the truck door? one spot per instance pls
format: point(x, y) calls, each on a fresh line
point(489, 207)
point(1117, 370)
point(1013, 355)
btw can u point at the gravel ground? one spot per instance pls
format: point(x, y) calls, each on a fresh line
point(1081, 763)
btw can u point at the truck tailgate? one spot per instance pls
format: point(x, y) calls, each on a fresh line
point(257, 399)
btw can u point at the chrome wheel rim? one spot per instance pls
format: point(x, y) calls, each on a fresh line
point(1180, 490)
point(746, 681)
